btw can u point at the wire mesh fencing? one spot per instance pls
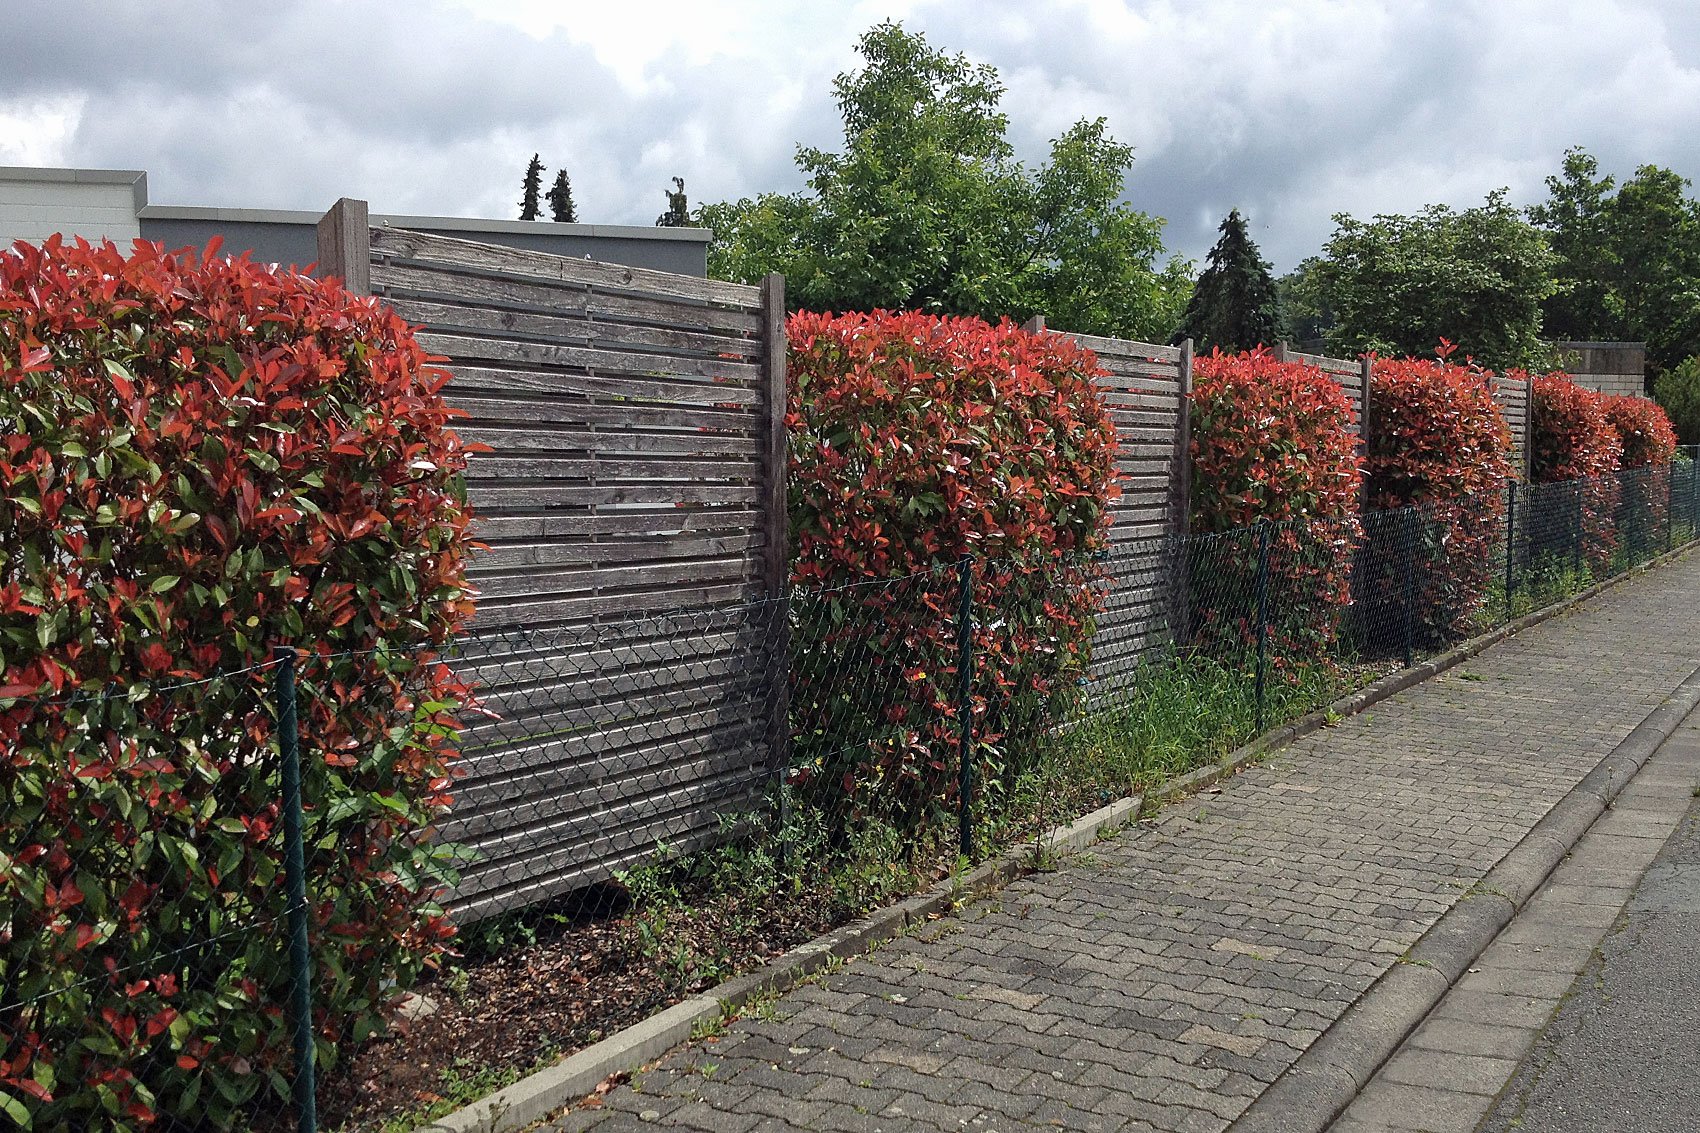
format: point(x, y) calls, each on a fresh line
point(676, 795)
point(151, 892)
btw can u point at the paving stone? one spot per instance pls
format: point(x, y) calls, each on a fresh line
point(1168, 981)
point(1462, 1073)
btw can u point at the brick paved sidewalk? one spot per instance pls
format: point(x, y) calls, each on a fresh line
point(1165, 978)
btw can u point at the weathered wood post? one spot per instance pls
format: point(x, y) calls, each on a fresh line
point(345, 245)
point(775, 530)
point(1180, 502)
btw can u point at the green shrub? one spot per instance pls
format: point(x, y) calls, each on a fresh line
point(1678, 391)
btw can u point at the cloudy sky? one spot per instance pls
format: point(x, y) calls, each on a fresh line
point(1291, 111)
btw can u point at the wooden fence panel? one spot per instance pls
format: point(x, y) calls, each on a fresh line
point(1146, 387)
point(1513, 397)
point(633, 505)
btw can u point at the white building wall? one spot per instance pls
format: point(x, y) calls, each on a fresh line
point(95, 204)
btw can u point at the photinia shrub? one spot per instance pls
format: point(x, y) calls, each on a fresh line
point(205, 458)
point(1438, 443)
point(1271, 441)
point(1575, 442)
point(1649, 445)
point(916, 440)
point(1643, 428)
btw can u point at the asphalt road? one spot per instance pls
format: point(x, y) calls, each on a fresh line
point(1622, 1054)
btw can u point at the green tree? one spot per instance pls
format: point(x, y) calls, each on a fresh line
point(1400, 284)
point(1306, 316)
point(561, 207)
point(1655, 237)
point(1233, 305)
point(1629, 258)
point(926, 208)
point(1678, 391)
point(1576, 219)
point(529, 206)
point(678, 214)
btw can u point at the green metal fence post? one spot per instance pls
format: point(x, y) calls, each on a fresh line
point(1410, 580)
point(1670, 506)
point(1262, 615)
point(1694, 494)
point(1577, 531)
point(965, 704)
point(1510, 543)
point(295, 886)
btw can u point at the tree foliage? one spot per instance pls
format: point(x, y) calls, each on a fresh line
point(678, 214)
point(1629, 258)
point(927, 208)
point(1678, 391)
point(1233, 306)
point(1397, 285)
point(530, 205)
point(561, 207)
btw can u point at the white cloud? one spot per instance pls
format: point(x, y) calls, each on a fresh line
point(1292, 110)
point(38, 130)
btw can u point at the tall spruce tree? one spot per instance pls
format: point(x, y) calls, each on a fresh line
point(678, 214)
point(561, 199)
point(1233, 305)
point(530, 207)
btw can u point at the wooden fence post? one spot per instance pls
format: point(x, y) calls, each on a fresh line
point(775, 527)
point(1034, 325)
point(1528, 429)
point(1181, 476)
point(1366, 367)
point(345, 245)
point(1280, 350)
point(1180, 503)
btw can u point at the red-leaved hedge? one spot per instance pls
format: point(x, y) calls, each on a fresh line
point(915, 440)
point(1271, 441)
point(1643, 428)
point(203, 458)
point(1438, 443)
point(1574, 440)
point(1649, 444)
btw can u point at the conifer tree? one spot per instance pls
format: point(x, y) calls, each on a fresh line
point(1233, 305)
point(678, 214)
point(530, 207)
point(561, 206)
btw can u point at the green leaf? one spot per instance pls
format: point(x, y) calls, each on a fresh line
point(163, 583)
point(15, 1109)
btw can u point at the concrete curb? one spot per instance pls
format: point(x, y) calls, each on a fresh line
point(1322, 1083)
point(539, 1094)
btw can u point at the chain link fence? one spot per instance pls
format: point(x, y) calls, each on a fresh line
point(665, 800)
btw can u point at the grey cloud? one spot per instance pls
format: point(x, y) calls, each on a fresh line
point(1291, 112)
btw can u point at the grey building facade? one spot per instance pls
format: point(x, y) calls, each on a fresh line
point(113, 204)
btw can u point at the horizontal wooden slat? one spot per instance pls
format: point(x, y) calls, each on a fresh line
point(471, 382)
point(509, 556)
point(509, 439)
point(409, 245)
point(442, 283)
point(453, 318)
point(552, 611)
point(462, 348)
point(660, 521)
point(1124, 348)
